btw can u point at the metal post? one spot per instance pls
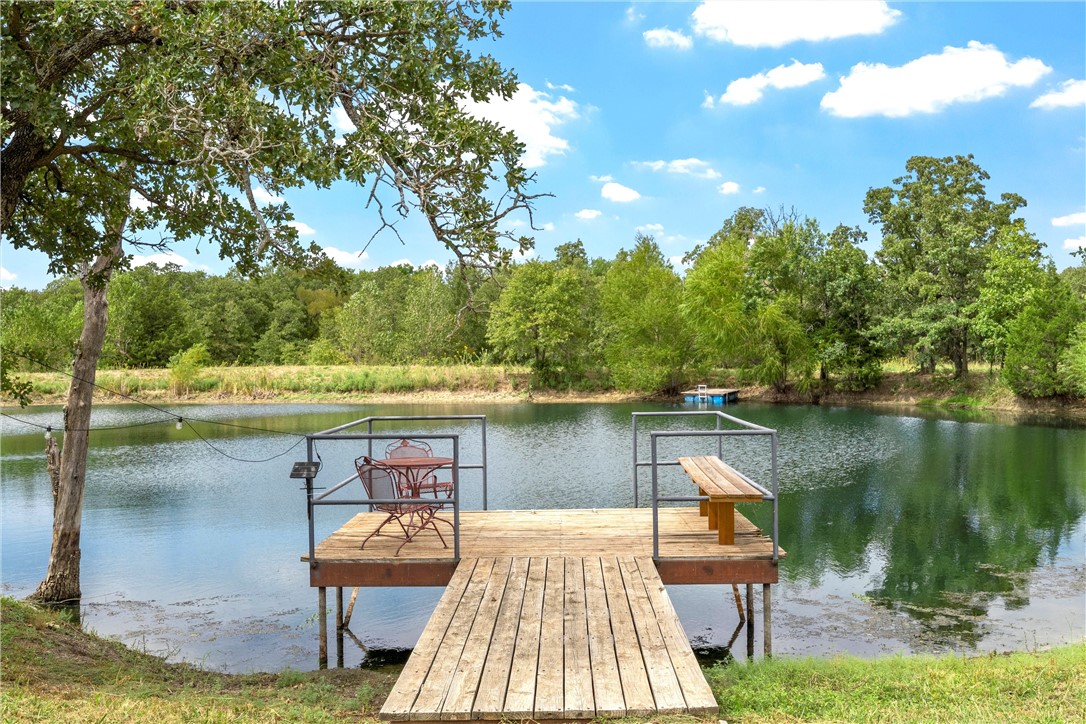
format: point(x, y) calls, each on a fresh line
point(655, 506)
point(369, 443)
point(635, 458)
point(767, 620)
point(456, 497)
point(309, 505)
point(322, 620)
point(484, 466)
point(776, 532)
point(719, 440)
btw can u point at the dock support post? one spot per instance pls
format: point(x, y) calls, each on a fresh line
point(767, 620)
point(339, 627)
point(322, 621)
point(750, 620)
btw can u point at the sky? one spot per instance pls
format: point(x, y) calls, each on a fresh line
point(664, 118)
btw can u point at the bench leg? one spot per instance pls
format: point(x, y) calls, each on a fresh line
point(714, 514)
point(726, 520)
point(703, 505)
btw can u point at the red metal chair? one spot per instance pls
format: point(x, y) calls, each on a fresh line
point(381, 484)
point(428, 485)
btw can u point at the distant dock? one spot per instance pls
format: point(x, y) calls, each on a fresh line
point(711, 395)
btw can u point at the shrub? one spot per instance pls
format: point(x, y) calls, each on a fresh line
point(185, 368)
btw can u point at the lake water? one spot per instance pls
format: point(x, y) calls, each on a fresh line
point(905, 531)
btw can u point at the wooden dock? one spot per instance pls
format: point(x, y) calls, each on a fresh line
point(689, 550)
point(530, 627)
point(551, 638)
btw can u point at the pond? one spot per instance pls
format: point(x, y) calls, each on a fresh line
point(905, 531)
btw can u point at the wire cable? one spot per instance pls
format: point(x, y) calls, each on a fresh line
point(181, 419)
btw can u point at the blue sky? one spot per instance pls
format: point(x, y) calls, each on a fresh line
point(665, 118)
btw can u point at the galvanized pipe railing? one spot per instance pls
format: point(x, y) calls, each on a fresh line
point(368, 422)
point(312, 501)
point(750, 429)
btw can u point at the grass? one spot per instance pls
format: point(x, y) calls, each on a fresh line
point(1043, 686)
point(52, 671)
point(300, 382)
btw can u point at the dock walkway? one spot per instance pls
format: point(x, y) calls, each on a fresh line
point(551, 638)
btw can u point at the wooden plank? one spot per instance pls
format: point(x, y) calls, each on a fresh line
point(696, 691)
point(520, 696)
point(718, 479)
point(499, 659)
point(636, 690)
point(579, 701)
point(606, 682)
point(549, 684)
point(665, 684)
point(435, 685)
point(464, 682)
point(402, 697)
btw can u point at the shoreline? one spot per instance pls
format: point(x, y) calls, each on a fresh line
point(904, 400)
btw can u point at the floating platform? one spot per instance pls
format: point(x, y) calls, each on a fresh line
point(689, 551)
point(711, 395)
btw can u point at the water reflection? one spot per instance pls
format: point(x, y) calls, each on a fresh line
point(910, 532)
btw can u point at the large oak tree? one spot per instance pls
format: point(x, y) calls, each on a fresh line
point(137, 122)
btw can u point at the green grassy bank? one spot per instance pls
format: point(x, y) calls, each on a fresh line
point(52, 671)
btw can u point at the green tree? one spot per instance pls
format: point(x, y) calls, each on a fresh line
point(647, 344)
point(151, 319)
point(1013, 270)
point(936, 224)
point(749, 297)
point(1039, 337)
point(540, 319)
point(189, 105)
point(845, 289)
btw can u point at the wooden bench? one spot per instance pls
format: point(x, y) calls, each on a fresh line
point(725, 488)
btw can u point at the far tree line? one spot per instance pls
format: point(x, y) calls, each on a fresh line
point(958, 280)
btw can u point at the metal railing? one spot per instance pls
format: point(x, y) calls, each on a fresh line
point(341, 433)
point(749, 429)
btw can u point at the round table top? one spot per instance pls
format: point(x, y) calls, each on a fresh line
point(416, 462)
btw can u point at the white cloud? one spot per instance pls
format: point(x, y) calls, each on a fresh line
point(547, 227)
point(650, 229)
point(532, 116)
point(1070, 219)
point(1071, 93)
point(341, 121)
point(687, 166)
point(728, 187)
point(744, 91)
point(560, 87)
point(930, 83)
point(618, 193)
point(402, 262)
point(6, 276)
point(709, 102)
point(430, 264)
point(760, 24)
point(759, 190)
point(519, 255)
point(667, 38)
point(601, 179)
point(263, 197)
point(1071, 244)
point(161, 259)
point(347, 259)
point(137, 201)
point(588, 214)
point(302, 228)
point(632, 15)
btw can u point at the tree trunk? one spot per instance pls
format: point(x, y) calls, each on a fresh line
point(61, 584)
